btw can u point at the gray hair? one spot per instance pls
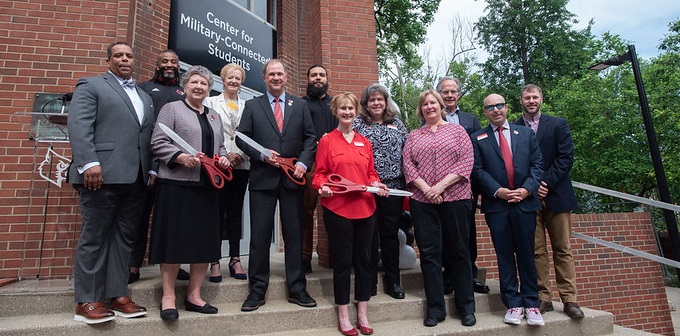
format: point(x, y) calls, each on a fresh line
point(197, 70)
point(445, 78)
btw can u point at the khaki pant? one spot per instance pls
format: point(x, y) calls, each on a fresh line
point(558, 225)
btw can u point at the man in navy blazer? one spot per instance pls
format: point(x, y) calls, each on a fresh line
point(557, 201)
point(509, 203)
point(268, 183)
point(449, 88)
point(109, 127)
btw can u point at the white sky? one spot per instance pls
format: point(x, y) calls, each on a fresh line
point(642, 22)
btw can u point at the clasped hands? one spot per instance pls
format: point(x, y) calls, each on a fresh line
point(513, 195)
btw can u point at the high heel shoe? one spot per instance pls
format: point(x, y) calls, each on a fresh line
point(364, 330)
point(232, 271)
point(215, 278)
point(348, 332)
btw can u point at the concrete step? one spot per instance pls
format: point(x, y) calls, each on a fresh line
point(47, 308)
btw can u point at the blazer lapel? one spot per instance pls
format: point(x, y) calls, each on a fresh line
point(543, 124)
point(113, 83)
point(494, 144)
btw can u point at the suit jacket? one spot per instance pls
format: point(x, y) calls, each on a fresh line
point(489, 169)
point(297, 139)
point(103, 127)
point(557, 149)
point(184, 122)
point(469, 122)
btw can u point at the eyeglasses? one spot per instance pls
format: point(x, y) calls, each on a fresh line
point(491, 107)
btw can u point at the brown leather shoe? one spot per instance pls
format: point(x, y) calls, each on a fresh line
point(124, 307)
point(573, 310)
point(545, 306)
point(93, 313)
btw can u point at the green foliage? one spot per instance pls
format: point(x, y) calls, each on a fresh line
point(671, 41)
point(530, 41)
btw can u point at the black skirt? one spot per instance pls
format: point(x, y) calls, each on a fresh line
point(186, 225)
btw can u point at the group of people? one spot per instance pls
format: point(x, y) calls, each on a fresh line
point(125, 165)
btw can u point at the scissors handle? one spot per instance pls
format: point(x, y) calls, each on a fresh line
point(341, 185)
point(288, 167)
point(217, 176)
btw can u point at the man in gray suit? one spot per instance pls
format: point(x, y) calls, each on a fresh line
point(109, 125)
point(282, 123)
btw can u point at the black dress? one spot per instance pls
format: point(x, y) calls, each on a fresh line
point(186, 225)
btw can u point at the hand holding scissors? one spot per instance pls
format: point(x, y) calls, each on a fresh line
point(194, 158)
point(294, 172)
point(339, 185)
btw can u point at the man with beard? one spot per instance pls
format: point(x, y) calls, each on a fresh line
point(324, 121)
point(557, 202)
point(163, 88)
point(449, 88)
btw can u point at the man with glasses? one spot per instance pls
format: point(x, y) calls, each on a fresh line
point(449, 88)
point(557, 201)
point(508, 173)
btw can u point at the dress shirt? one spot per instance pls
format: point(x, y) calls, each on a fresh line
point(506, 134)
point(453, 117)
point(533, 124)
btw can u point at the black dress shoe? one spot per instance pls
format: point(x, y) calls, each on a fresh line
point(183, 275)
point(395, 291)
point(432, 321)
point(469, 320)
point(169, 314)
point(479, 287)
point(448, 287)
point(132, 277)
point(204, 309)
point(302, 299)
point(252, 302)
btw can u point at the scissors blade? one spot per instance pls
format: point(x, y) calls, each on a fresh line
point(177, 139)
point(392, 192)
point(254, 144)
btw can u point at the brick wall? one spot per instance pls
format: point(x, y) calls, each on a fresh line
point(629, 287)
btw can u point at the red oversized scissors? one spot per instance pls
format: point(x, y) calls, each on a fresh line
point(286, 164)
point(341, 185)
point(216, 174)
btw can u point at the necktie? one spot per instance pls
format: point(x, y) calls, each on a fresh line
point(129, 83)
point(278, 114)
point(507, 156)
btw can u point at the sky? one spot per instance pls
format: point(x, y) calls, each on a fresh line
point(643, 23)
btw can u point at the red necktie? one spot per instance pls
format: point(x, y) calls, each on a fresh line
point(507, 156)
point(278, 114)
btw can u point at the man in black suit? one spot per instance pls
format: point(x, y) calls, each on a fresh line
point(557, 202)
point(449, 88)
point(282, 123)
point(163, 88)
point(109, 126)
point(508, 172)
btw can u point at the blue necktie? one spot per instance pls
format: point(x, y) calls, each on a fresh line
point(129, 83)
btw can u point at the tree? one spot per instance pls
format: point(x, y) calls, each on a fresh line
point(401, 27)
point(530, 41)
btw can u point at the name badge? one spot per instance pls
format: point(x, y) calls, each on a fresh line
point(392, 126)
point(358, 144)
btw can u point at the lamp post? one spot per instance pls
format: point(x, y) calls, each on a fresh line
point(661, 181)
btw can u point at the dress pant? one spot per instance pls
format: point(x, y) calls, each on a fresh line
point(512, 233)
point(449, 271)
point(231, 209)
point(110, 216)
point(308, 210)
point(444, 229)
point(558, 225)
point(262, 209)
point(142, 232)
point(386, 236)
point(350, 242)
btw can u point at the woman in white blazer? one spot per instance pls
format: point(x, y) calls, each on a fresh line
point(230, 108)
